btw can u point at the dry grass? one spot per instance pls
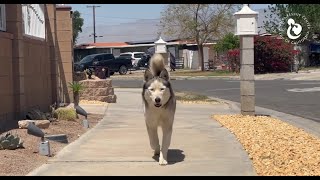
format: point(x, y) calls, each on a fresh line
point(275, 147)
point(65, 113)
point(192, 98)
point(20, 162)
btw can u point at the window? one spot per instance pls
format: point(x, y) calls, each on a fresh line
point(108, 57)
point(2, 17)
point(87, 59)
point(99, 58)
point(125, 55)
point(138, 55)
point(33, 20)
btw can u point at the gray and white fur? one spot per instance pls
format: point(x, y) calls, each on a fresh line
point(160, 106)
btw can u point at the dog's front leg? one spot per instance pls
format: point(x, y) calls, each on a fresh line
point(166, 140)
point(154, 139)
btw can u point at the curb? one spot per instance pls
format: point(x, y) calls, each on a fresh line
point(183, 78)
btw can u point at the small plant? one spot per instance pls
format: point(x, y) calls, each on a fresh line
point(76, 88)
point(63, 113)
point(11, 142)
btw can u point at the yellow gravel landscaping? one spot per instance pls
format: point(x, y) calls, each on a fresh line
point(275, 147)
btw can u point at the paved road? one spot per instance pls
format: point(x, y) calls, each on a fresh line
point(299, 98)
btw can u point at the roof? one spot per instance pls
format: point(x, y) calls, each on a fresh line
point(107, 45)
point(160, 41)
point(246, 11)
point(132, 53)
point(150, 41)
point(135, 44)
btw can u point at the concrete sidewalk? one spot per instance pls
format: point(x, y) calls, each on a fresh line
point(119, 144)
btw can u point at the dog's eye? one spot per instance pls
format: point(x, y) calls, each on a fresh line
point(162, 89)
point(151, 89)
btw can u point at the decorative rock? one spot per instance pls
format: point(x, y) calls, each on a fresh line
point(101, 83)
point(42, 124)
point(35, 114)
point(23, 124)
point(98, 90)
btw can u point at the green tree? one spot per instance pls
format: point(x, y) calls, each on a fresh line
point(199, 22)
point(228, 42)
point(276, 22)
point(77, 23)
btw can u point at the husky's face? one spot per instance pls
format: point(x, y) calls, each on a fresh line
point(157, 89)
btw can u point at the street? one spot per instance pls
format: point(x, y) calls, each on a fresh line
point(299, 98)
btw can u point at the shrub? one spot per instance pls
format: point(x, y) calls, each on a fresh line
point(270, 55)
point(10, 141)
point(63, 113)
point(228, 42)
point(234, 60)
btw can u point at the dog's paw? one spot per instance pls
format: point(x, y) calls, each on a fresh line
point(156, 152)
point(162, 161)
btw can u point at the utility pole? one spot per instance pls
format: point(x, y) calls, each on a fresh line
point(94, 21)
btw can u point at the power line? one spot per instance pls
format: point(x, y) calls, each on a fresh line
point(94, 21)
point(128, 35)
point(113, 17)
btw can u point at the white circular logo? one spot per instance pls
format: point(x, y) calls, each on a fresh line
point(297, 28)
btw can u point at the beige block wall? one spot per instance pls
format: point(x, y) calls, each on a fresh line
point(6, 91)
point(64, 51)
point(29, 66)
point(37, 73)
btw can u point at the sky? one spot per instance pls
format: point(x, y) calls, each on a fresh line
point(113, 14)
point(113, 19)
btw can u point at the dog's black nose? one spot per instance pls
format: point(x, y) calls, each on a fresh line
point(157, 100)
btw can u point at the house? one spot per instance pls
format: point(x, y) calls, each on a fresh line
point(185, 51)
point(35, 59)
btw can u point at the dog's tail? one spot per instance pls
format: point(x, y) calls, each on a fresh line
point(157, 64)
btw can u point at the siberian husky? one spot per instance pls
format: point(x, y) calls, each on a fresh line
point(160, 106)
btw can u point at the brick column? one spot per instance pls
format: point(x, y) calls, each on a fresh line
point(15, 27)
point(50, 16)
point(64, 51)
point(247, 90)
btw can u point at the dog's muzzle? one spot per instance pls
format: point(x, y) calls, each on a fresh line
point(158, 102)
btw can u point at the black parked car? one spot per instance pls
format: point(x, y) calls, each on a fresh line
point(84, 63)
point(114, 64)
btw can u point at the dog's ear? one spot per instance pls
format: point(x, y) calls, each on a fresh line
point(147, 75)
point(164, 75)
